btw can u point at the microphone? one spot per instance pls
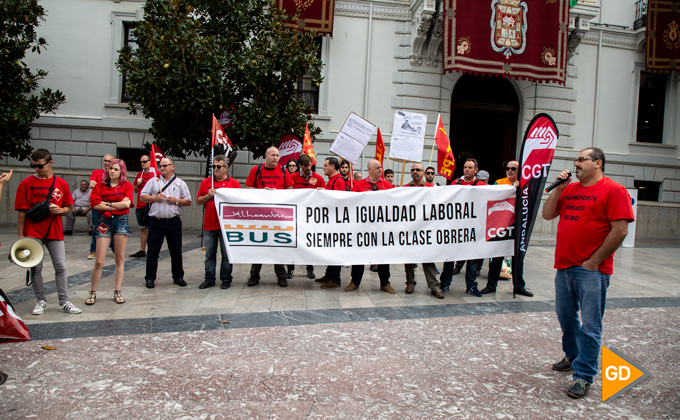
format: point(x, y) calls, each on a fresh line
point(556, 183)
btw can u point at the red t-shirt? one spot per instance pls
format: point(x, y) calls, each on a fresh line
point(586, 214)
point(366, 185)
point(425, 185)
point(32, 191)
point(210, 220)
point(315, 181)
point(463, 182)
point(146, 176)
point(336, 183)
point(269, 178)
point(103, 192)
point(97, 175)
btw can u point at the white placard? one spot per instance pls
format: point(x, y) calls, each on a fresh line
point(408, 136)
point(352, 138)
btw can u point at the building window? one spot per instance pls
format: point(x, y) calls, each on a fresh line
point(129, 40)
point(651, 106)
point(305, 86)
point(131, 157)
point(647, 190)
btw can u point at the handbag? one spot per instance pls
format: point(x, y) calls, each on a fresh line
point(40, 211)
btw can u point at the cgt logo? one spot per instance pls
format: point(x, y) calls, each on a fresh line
point(500, 220)
point(259, 224)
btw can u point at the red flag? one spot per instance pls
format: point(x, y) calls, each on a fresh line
point(446, 163)
point(307, 148)
point(380, 148)
point(156, 156)
point(219, 137)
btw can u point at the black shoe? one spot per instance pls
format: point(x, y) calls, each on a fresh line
point(479, 272)
point(89, 233)
point(524, 292)
point(138, 254)
point(180, 282)
point(373, 268)
point(310, 274)
point(563, 365)
point(456, 270)
point(474, 292)
point(252, 281)
point(205, 285)
point(149, 284)
point(578, 389)
point(289, 274)
point(487, 290)
point(68, 233)
point(283, 282)
point(225, 285)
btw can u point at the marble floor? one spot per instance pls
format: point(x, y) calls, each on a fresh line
point(303, 352)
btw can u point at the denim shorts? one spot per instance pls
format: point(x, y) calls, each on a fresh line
point(116, 225)
point(138, 214)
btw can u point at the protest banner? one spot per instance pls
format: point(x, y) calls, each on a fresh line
point(395, 226)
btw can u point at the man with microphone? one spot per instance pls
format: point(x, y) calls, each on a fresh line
point(594, 215)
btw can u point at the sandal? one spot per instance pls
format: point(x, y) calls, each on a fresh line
point(117, 297)
point(92, 298)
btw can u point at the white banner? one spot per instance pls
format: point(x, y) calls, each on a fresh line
point(401, 225)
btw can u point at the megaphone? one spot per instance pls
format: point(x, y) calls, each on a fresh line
point(26, 252)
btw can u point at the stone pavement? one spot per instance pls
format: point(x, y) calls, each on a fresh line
point(303, 352)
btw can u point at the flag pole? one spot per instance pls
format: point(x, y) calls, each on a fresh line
point(431, 153)
point(403, 168)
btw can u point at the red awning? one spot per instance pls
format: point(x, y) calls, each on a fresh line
point(315, 15)
point(663, 36)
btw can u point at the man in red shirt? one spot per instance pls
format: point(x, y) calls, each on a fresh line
point(141, 179)
point(594, 215)
point(302, 179)
point(95, 178)
point(32, 191)
point(336, 182)
point(374, 182)
point(417, 180)
point(211, 224)
point(470, 169)
point(269, 176)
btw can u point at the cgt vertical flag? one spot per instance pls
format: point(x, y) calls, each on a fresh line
point(380, 148)
point(307, 148)
point(156, 156)
point(538, 150)
point(219, 141)
point(446, 163)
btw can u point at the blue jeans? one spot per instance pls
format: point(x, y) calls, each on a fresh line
point(211, 239)
point(577, 288)
point(115, 225)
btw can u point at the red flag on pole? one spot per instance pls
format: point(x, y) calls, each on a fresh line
point(219, 137)
point(307, 148)
point(156, 156)
point(446, 163)
point(380, 148)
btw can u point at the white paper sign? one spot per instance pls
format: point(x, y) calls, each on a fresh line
point(353, 138)
point(408, 136)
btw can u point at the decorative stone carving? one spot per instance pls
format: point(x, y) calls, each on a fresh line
point(575, 39)
point(422, 21)
point(435, 38)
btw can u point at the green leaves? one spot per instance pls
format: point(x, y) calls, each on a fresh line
point(19, 104)
point(196, 57)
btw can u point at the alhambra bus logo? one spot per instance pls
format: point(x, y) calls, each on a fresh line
point(500, 220)
point(272, 225)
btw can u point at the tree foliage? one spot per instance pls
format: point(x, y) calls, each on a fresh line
point(18, 105)
point(197, 57)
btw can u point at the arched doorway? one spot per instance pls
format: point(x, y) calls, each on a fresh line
point(484, 113)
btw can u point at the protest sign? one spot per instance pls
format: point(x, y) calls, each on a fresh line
point(352, 138)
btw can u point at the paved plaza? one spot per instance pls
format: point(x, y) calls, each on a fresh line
point(304, 352)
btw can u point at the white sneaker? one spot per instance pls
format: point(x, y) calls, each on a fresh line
point(40, 307)
point(70, 308)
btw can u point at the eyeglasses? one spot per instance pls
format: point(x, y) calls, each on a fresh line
point(39, 165)
point(143, 161)
point(510, 169)
point(416, 170)
point(163, 166)
point(219, 166)
point(582, 159)
point(429, 173)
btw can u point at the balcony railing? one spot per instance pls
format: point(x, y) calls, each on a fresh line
point(640, 14)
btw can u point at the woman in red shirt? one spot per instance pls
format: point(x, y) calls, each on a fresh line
point(112, 197)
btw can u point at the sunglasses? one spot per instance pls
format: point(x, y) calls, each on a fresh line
point(219, 166)
point(416, 170)
point(39, 165)
point(429, 173)
point(582, 159)
point(143, 161)
point(163, 166)
point(510, 169)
